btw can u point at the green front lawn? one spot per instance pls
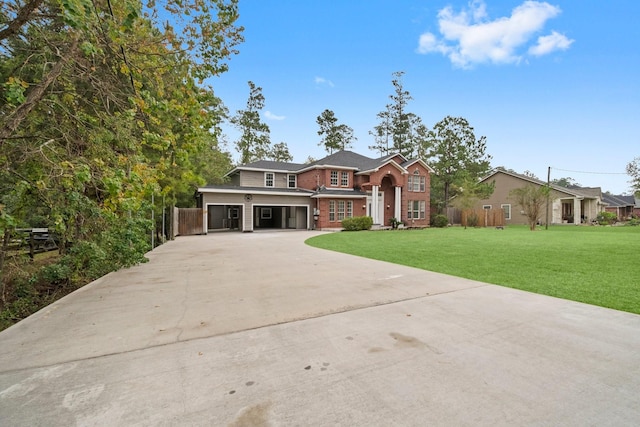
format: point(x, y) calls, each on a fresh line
point(595, 265)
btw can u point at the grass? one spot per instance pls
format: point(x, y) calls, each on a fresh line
point(594, 265)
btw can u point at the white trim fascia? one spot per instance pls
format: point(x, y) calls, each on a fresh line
point(327, 167)
point(376, 169)
point(252, 191)
point(338, 188)
point(422, 162)
point(243, 168)
point(338, 196)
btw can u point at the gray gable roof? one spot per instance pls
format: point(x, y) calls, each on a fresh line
point(618, 201)
point(342, 158)
point(272, 165)
point(589, 192)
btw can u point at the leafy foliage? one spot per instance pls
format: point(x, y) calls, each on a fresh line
point(531, 199)
point(403, 129)
point(440, 221)
point(254, 143)
point(633, 169)
point(565, 182)
point(280, 153)
point(606, 218)
point(335, 136)
point(103, 107)
point(357, 223)
point(456, 156)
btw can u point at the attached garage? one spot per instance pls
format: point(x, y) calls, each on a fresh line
point(281, 217)
point(248, 209)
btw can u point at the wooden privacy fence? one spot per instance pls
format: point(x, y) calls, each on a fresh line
point(454, 215)
point(482, 217)
point(190, 221)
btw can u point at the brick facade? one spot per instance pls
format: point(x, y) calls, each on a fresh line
point(343, 179)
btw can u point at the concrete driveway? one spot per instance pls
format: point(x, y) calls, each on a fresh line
point(259, 329)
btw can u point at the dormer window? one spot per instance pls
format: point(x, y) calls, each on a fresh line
point(269, 179)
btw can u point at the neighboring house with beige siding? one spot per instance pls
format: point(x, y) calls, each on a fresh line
point(574, 205)
point(319, 195)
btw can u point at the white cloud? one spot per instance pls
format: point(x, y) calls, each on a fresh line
point(550, 43)
point(269, 115)
point(322, 81)
point(469, 37)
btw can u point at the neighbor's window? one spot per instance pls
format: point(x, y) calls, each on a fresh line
point(292, 181)
point(416, 209)
point(507, 211)
point(487, 207)
point(344, 179)
point(268, 179)
point(332, 210)
point(334, 178)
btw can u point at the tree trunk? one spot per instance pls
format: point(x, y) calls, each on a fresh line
point(3, 251)
point(35, 95)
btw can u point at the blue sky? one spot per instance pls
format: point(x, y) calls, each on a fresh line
point(548, 83)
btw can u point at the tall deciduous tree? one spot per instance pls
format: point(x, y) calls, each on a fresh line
point(532, 199)
point(254, 142)
point(470, 191)
point(455, 155)
point(280, 153)
point(564, 182)
point(335, 136)
point(102, 105)
point(633, 169)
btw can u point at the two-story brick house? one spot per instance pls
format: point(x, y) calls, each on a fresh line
point(267, 194)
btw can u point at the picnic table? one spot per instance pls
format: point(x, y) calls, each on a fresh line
point(38, 239)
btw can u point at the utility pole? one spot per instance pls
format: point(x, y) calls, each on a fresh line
point(546, 226)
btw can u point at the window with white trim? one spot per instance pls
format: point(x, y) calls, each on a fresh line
point(417, 183)
point(344, 179)
point(292, 182)
point(334, 178)
point(416, 209)
point(507, 211)
point(340, 210)
point(487, 207)
point(269, 180)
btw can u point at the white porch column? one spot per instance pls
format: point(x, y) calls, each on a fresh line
point(577, 212)
point(374, 205)
point(397, 213)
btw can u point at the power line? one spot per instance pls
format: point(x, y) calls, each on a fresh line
point(590, 173)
